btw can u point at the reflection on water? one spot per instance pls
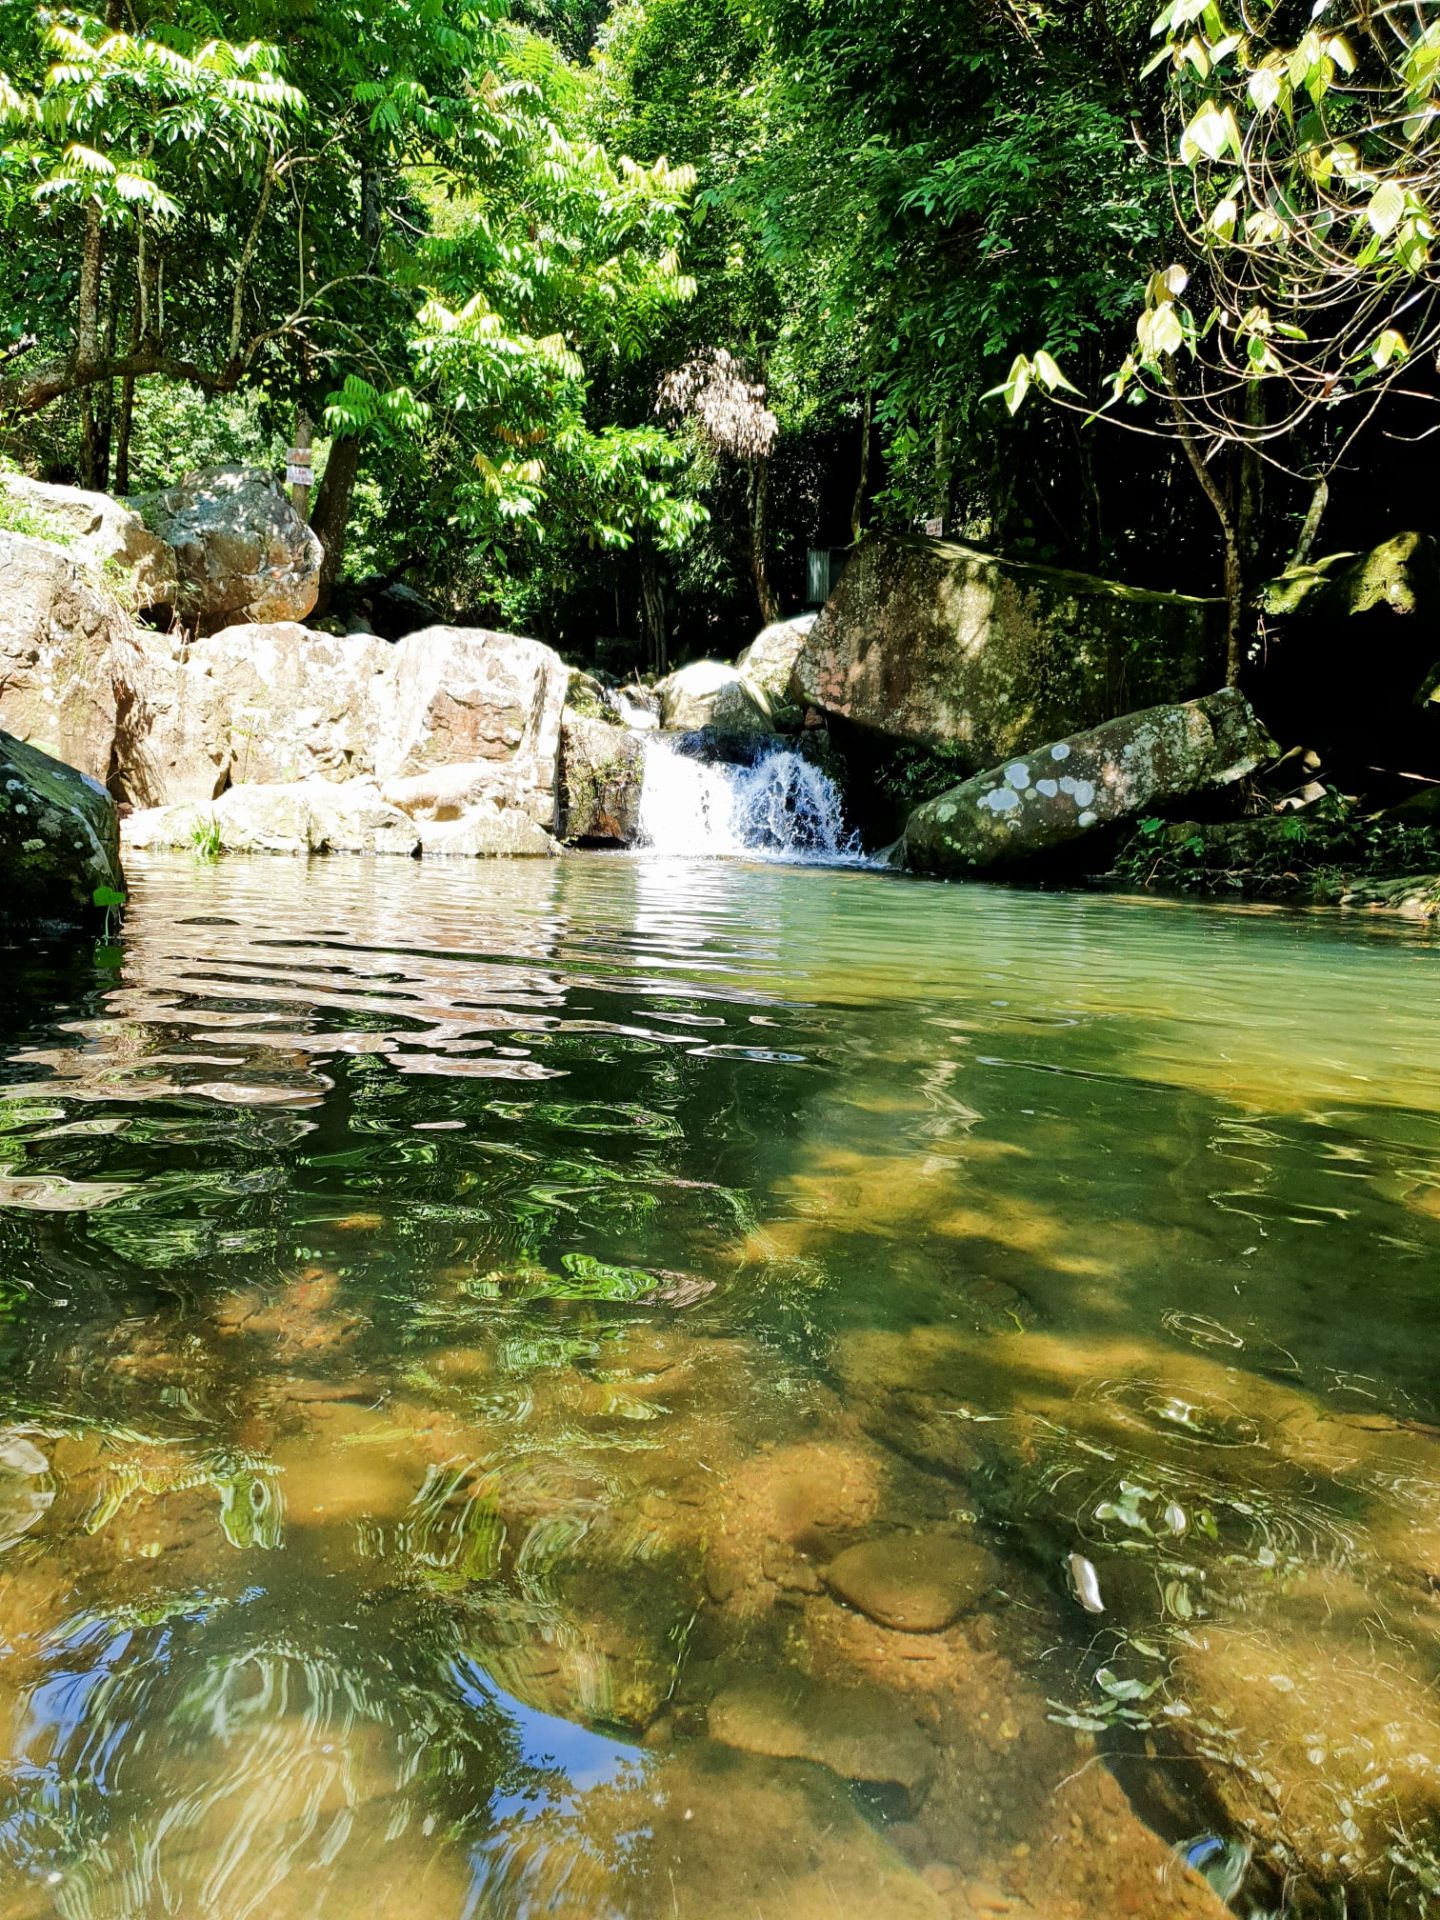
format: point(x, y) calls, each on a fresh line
point(455, 1323)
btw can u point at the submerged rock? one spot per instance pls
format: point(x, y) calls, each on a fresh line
point(242, 552)
point(917, 1583)
point(58, 842)
point(731, 1834)
point(860, 1732)
point(937, 643)
point(602, 773)
point(1061, 792)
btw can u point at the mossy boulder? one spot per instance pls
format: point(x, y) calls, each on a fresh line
point(59, 842)
point(939, 644)
point(1047, 798)
point(602, 772)
point(1402, 574)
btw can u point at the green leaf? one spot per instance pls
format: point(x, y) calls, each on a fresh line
point(1386, 208)
point(1391, 345)
point(1050, 376)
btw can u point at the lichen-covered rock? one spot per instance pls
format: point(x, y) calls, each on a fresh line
point(59, 842)
point(111, 541)
point(602, 773)
point(1058, 793)
point(242, 553)
point(940, 644)
point(441, 719)
point(768, 663)
point(707, 693)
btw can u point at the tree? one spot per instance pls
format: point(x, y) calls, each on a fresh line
point(1306, 168)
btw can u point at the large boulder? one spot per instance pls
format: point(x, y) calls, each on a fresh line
point(58, 637)
point(602, 774)
point(709, 694)
point(266, 704)
point(768, 663)
point(59, 842)
point(937, 643)
point(443, 720)
point(467, 697)
point(317, 815)
point(242, 552)
point(110, 540)
point(1058, 793)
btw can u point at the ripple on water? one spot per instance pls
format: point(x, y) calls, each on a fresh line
point(462, 1325)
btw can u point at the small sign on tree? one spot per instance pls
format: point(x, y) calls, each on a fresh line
point(299, 467)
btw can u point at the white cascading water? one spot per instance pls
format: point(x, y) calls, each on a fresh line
point(782, 808)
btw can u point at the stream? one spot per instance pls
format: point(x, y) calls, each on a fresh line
point(631, 1386)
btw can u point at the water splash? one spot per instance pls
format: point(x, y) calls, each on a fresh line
point(781, 808)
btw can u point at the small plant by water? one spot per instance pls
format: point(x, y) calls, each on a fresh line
point(206, 841)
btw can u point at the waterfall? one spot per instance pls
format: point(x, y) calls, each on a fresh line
point(781, 808)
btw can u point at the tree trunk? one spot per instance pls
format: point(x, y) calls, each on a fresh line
point(330, 520)
point(304, 435)
point(87, 339)
point(1234, 563)
point(1250, 504)
point(1310, 527)
point(652, 613)
point(757, 493)
point(122, 434)
point(858, 510)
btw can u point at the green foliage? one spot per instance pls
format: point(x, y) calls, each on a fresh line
point(206, 840)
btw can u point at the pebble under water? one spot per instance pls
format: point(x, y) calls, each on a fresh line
point(626, 1387)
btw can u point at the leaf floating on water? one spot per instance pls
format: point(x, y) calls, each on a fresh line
point(1085, 1583)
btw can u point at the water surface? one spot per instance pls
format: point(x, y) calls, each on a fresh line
point(454, 1321)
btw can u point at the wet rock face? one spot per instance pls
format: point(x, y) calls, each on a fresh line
point(104, 535)
point(58, 841)
point(940, 644)
point(1059, 793)
point(602, 772)
point(242, 553)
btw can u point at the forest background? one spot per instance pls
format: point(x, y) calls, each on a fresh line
point(604, 317)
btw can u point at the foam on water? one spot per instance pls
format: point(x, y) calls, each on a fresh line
point(781, 808)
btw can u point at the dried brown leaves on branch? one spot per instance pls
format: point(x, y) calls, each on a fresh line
point(713, 390)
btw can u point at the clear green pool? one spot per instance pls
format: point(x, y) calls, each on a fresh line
point(479, 1348)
